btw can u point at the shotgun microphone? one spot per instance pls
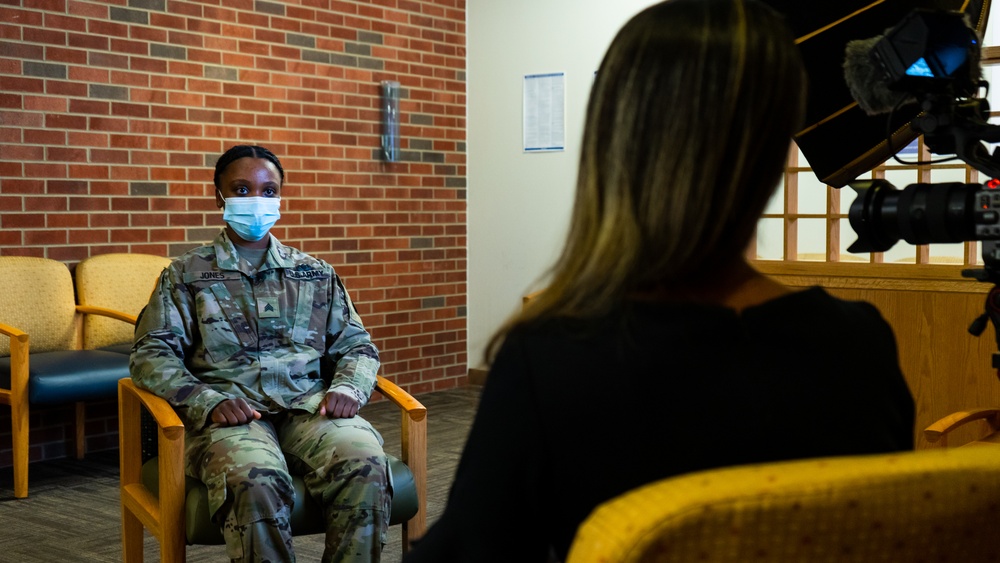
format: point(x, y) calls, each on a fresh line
point(867, 81)
point(927, 54)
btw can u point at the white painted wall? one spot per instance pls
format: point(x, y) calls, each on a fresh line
point(519, 204)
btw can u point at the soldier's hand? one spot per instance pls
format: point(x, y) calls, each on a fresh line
point(339, 405)
point(234, 412)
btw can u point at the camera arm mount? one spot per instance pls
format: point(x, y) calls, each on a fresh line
point(959, 128)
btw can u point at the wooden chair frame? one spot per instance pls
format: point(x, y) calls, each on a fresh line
point(939, 430)
point(17, 396)
point(164, 516)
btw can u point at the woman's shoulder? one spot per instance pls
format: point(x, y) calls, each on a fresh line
point(814, 313)
point(816, 298)
point(558, 327)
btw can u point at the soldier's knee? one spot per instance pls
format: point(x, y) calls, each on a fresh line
point(262, 487)
point(369, 472)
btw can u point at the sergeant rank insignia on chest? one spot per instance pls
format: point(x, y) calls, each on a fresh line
point(267, 307)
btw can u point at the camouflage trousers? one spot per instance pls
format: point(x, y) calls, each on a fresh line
point(247, 471)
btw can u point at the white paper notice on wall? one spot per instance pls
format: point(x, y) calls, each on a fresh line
point(545, 112)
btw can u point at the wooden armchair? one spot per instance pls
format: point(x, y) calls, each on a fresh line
point(939, 430)
point(156, 495)
point(929, 505)
point(42, 360)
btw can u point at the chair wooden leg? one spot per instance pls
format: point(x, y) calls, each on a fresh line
point(132, 546)
point(173, 548)
point(173, 553)
point(414, 438)
point(407, 543)
point(170, 445)
point(162, 514)
point(19, 412)
point(130, 464)
point(19, 434)
point(79, 425)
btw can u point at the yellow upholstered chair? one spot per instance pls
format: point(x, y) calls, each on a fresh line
point(118, 281)
point(930, 505)
point(42, 360)
point(156, 495)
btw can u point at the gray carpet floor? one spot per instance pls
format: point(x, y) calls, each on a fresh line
point(72, 512)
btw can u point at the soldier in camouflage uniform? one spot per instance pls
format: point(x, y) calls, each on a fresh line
point(261, 352)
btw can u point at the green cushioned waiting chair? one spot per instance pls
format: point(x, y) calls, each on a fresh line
point(156, 495)
point(42, 355)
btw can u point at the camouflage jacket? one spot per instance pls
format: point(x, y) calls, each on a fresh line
point(280, 337)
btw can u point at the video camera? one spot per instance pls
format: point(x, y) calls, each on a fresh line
point(931, 58)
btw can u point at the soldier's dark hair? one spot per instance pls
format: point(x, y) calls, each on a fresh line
point(242, 151)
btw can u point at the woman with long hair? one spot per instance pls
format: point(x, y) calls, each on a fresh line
point(656, 348)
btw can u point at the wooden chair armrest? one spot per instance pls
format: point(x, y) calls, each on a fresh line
point(13, 332)
point(106, 312)
point(163, 515)
point(414, 447)
point(401, 399)
point(19, 346)
point(943, 426)
point(158, 407)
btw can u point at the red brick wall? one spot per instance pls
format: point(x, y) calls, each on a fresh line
point(112, 114)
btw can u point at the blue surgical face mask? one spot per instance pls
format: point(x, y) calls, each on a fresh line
point(251, 217)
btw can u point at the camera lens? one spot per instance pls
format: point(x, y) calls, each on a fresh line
point(919, 214)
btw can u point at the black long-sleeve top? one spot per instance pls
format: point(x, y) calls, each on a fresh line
point(575, 412)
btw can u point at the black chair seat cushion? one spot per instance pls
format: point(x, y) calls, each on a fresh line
point(67, 376)
point(119, 348)
point(307, 517)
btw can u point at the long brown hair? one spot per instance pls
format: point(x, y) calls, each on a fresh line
point(687, 129)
